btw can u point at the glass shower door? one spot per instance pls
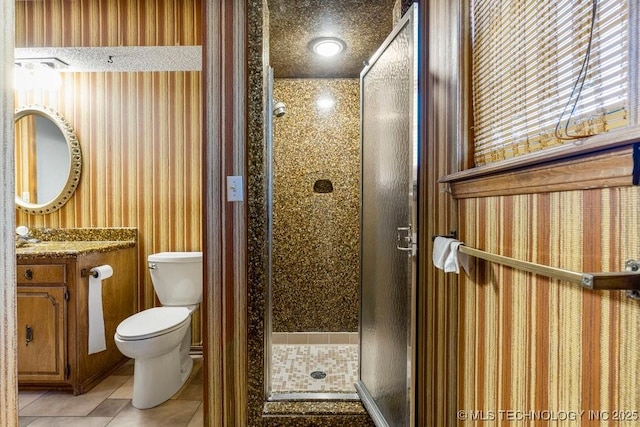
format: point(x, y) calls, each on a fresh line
point(388, 215)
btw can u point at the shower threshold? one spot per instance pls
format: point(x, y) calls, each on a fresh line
point(313, 396)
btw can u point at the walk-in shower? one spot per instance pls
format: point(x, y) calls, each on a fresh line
point(314, 332)
point(314, 204)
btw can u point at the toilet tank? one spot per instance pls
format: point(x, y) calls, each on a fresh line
point(177, 277)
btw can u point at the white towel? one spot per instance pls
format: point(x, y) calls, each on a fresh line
point(447, 257)
point(441, 251)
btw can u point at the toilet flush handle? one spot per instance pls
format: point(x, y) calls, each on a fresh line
point(152, 266)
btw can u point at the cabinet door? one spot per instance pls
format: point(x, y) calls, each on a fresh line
point(41, 332)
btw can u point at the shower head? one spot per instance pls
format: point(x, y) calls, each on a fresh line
point(279, 109)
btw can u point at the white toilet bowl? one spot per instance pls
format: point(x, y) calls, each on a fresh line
point(159, 340)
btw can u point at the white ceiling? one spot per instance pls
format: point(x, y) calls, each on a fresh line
point(123, 58)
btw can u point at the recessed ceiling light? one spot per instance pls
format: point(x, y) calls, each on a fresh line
point(327, 46)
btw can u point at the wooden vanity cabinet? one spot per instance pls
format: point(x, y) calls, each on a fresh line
point(42, 322)
point(53, 312)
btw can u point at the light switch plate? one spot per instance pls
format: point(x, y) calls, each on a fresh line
point(235, 191)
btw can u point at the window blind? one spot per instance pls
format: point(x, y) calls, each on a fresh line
point(545, 72)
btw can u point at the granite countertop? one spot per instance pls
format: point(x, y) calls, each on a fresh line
point(72, 242)
point(70, 248)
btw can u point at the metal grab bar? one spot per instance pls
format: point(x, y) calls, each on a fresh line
point(625, 280)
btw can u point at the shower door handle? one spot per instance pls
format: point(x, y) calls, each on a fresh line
point(405, 240)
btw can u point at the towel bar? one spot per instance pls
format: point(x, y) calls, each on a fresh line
point(625, 280)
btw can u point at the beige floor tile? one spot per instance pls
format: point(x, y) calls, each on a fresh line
point(25, 421)
point(64, 404)
point(125, 391)
point(192, 388)
point(71, 422)
point(190, 391)
point(26, 397)
point(110, 384)
point(126, 369)
point(198, 418)
point(172, 413)
point(109, 407)
point(109, 404)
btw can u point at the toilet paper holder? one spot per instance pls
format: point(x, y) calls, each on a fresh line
point(85, 272)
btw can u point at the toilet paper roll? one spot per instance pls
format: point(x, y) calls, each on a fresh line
point(97, 341)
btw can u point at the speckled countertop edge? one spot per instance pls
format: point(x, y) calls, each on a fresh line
point(85, 234)
point(69, 248)
point(72, 242)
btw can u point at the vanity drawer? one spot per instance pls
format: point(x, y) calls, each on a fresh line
point(36, 273)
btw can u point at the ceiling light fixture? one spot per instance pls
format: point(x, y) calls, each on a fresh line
point(327, 46)
point(38, 73)
point(31, 63)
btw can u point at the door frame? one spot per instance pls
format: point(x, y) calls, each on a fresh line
point(8, 290)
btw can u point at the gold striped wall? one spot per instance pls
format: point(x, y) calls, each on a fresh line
point(140, 132)
point(531, 343)
point(437, 292)
point(507, 339)
point(85, 23)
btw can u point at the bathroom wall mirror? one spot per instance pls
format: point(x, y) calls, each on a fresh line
point(48, 159)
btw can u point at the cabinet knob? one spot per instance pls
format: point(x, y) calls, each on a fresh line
point(28, 274)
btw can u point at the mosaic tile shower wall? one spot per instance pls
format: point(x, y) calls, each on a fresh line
point(316, 222)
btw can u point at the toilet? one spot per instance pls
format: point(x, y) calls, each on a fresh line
point(159, 338)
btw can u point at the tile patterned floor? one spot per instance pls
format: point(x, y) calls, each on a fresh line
point(292, 366)
point(109, 404)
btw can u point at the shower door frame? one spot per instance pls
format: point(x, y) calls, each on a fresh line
point(410, 19)
point(268, 315)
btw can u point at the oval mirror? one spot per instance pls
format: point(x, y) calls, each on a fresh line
point(48, 159)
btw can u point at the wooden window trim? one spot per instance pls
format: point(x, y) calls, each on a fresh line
point(603, 160)
point(611, 168)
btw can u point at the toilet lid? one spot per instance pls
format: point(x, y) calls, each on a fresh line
point(152, 322)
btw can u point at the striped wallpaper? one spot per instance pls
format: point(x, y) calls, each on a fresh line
point(510, 340)
point(91, 23)
point(528, 343)
point(140, 132)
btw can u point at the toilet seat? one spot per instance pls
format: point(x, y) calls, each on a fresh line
point(152, 322)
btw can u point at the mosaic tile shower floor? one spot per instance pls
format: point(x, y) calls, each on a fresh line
point(292, 365)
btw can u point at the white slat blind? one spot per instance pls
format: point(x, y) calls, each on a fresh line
point(545, 72)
